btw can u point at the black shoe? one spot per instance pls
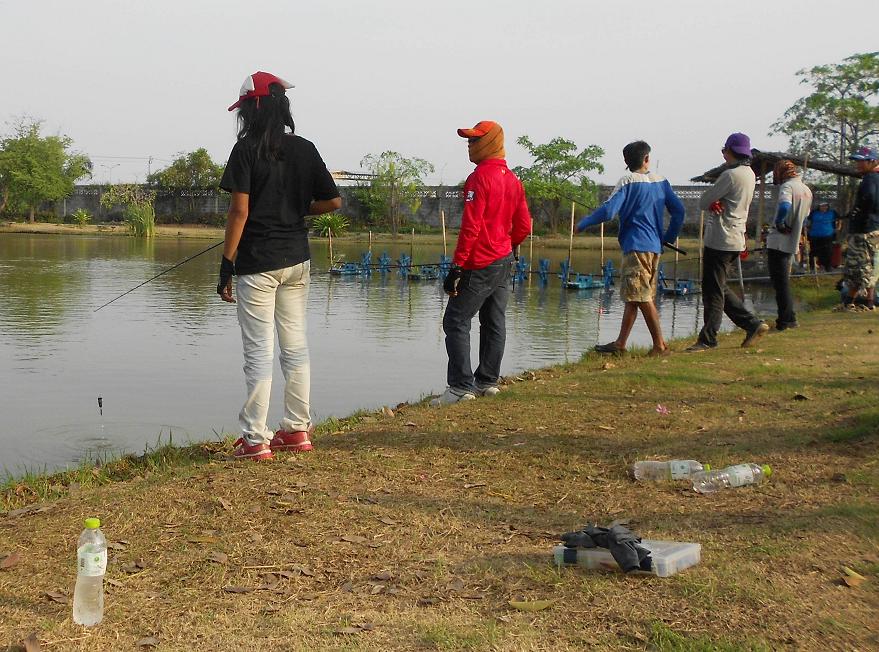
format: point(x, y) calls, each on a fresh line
point(699, 347)
point(783, 327)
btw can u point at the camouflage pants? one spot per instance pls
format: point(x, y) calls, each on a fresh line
point(862, 260)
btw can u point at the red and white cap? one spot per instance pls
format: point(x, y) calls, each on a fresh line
point(257, 85)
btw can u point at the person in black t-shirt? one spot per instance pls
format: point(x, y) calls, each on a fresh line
point(276, 179)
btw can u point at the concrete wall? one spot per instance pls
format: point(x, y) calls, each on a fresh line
point(210, 207)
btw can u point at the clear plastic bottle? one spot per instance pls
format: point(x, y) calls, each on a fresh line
point(91, 564)
point(732, 476)
point(653, 471)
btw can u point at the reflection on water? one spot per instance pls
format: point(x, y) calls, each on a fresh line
point(167, 357)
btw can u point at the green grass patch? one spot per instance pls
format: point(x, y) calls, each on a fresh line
point(665, 639)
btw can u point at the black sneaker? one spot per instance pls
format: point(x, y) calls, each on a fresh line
point(699, 347)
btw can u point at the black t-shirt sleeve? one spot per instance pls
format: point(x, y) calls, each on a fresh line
point(324, 186)
point(236, 176)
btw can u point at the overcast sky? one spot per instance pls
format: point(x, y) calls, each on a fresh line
point(126, 78)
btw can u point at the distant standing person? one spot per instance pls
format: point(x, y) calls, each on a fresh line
point(276, 179)
point(823, 223)
point(495, 221)
point(794, 202)
point(862, 251)
point(641, 199)
point(727, 203)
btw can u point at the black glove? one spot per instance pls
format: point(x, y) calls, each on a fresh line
point(227, 271)
point(450, 285)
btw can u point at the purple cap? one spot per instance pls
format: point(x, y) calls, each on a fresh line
point(738, 143)
point(864, 154)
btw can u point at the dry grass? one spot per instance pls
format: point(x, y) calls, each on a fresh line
point(451, 513)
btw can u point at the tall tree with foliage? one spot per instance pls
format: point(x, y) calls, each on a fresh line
point(36, 168)
point(393, 188)
point(840, 114)
point(188, 175)
point(559, 175)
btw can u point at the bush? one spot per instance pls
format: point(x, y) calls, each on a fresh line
point(81, 217)
point(335, 222)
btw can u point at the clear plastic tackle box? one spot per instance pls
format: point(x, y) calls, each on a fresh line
point(668, 557)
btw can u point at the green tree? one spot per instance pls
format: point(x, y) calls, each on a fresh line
point(394, 187)
point(187, 175)
point(140, 213)
point(36, 168)
point(558, 176)
point(839, 115)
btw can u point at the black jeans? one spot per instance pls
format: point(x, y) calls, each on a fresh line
point(779, 272)
point(484, 291)
point(822, 249)
point(719, 299)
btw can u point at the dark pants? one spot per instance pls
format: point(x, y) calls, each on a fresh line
point(483, 291)
point(779, 272)
point(822, 250)
point(718, 298)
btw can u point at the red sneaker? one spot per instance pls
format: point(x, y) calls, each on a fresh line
point(298, 441)
point(255, 452)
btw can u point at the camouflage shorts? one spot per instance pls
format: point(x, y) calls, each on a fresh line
point(862, 260)
point(639, 276)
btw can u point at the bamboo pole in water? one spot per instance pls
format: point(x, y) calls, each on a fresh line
point(677, 253)
point(443, 222)
point(330, 236)
point(602, 247)
point(412, 246)
point(571, 241)
point(370, 242)
point(530, 255)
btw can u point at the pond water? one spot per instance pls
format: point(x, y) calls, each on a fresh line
point(166, 359)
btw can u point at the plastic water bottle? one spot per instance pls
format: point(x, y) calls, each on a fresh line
point(91, 564)
point(732, 476)
point(652, 471)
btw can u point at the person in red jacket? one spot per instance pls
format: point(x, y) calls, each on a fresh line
point(495, 221)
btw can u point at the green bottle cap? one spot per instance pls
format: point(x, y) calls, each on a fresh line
point(93, 523)
point(767, 470)
point(706, 467)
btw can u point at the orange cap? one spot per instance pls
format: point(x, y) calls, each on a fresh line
point(479, 130)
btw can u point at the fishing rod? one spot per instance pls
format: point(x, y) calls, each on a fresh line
point(185, 260)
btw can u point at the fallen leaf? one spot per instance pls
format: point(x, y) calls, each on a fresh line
point(428, 601)
point(149, 641)
point(134, 566)
point(270, 581)
point(384, 576)
point(353, 538)
point(117, 545)
point(387, 521)
point(203, 540)
point(411, 424)
point(225, 504)
point(457, 584)
point(237, 589)
point(421, 575)
point(852, 578)
point(473, 485)
point(10, 560)
point(388, 412)
point(218, 557)
point(57, 596)
point(31, 644)
point(534, 605)
point(30, 509)
point(611, 428)
point(377, 588)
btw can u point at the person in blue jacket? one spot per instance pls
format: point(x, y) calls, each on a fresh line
point(822, 223)
point(640, 199)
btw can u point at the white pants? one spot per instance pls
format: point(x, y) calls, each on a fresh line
point(266, 301)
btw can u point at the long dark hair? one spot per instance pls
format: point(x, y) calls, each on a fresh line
point(262, 120)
